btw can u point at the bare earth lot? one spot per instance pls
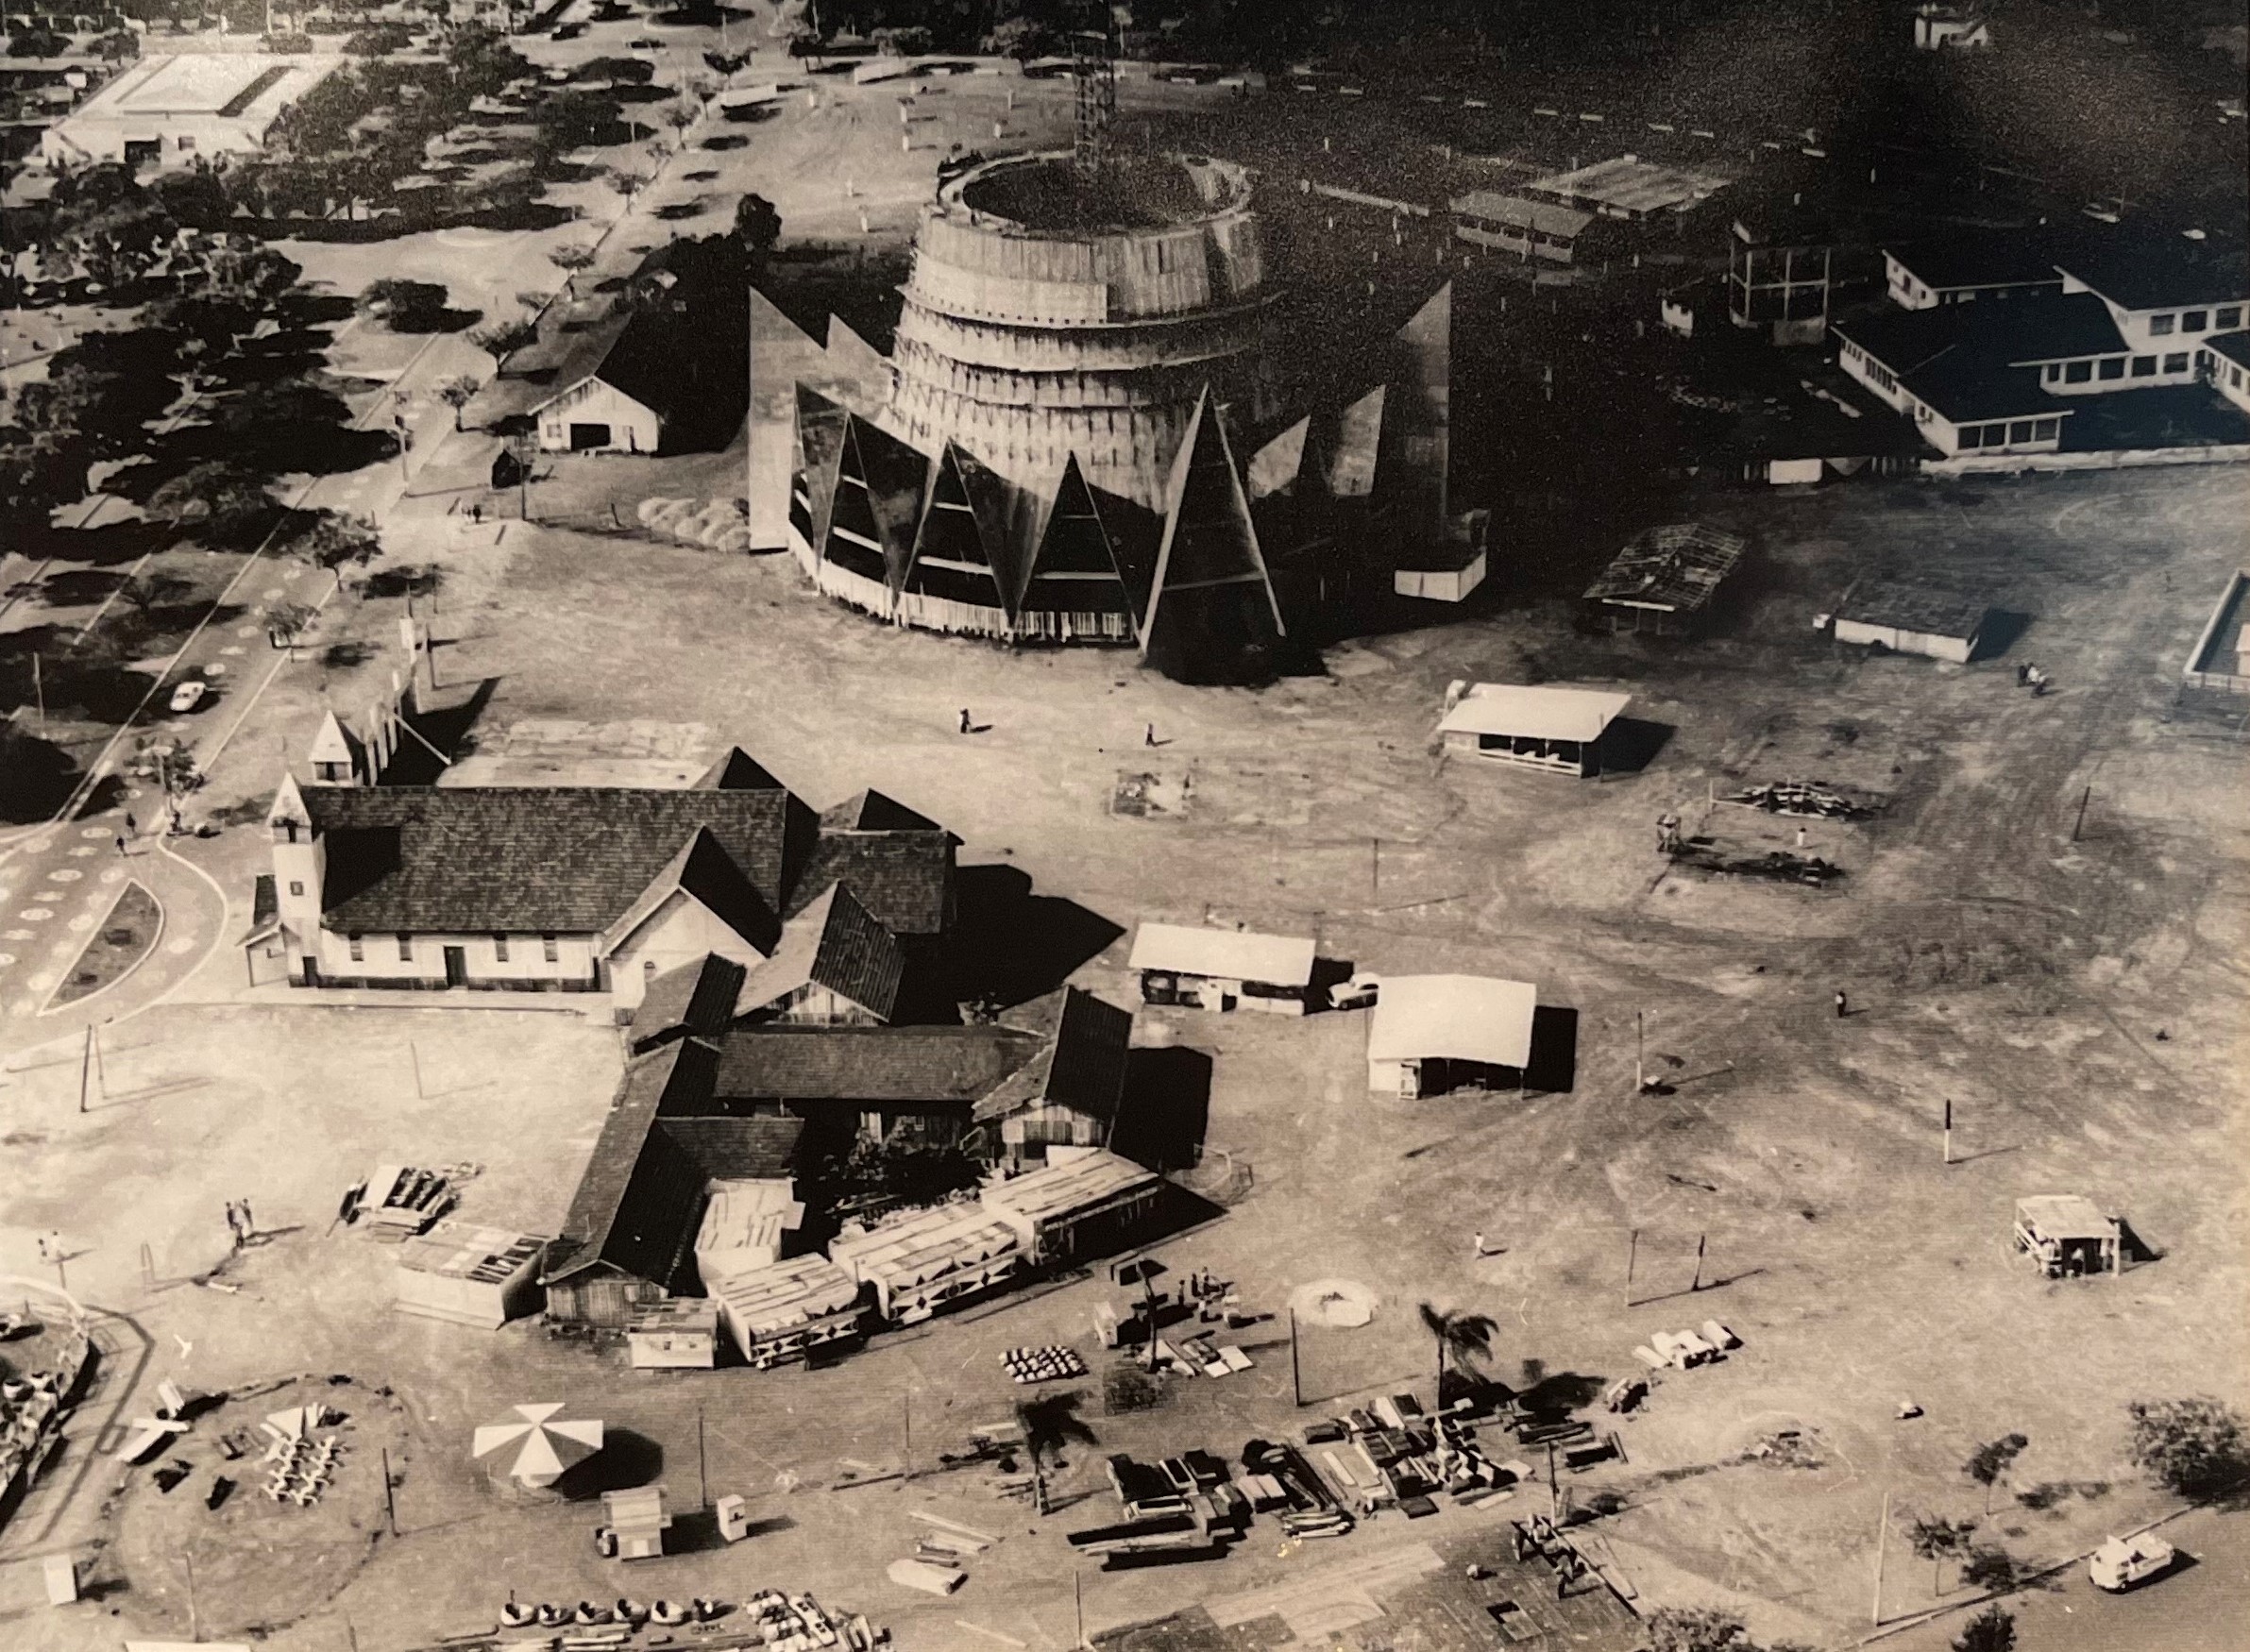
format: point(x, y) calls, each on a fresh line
point(2080, 1003)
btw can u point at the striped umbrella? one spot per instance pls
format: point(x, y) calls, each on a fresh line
point(536, 1446)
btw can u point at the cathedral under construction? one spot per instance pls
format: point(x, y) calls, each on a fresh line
point(1078, 438)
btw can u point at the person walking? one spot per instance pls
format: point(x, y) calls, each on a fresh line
point(234, 1227)
point(132, 827)
point(1148, 734)
point(1842, 1004)
point(1800, 838)
point(121, 845)
point(964, 720)
point(249, 1228)
point(2022, 673)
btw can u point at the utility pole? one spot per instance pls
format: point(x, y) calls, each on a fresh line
point(1698, 1285)
point(1640, 1051)
point(39, 691)
point(415, 1056)
point(1078, 1603)
point(1554, 1492)
point(2078, 825)
point(101, 1075)
point(1948, 1130)
point(1882, 1532)
point(187, 1563)
point(390, 1503)
point(1374, 866)
point(1632, 1252)
point(85, 1067)
point(1296, 1381)
point(702, 1483)
point(907, 1437)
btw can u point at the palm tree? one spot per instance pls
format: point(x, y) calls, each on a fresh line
point(1466, 1336)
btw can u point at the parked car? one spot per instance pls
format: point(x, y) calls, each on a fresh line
point(644, 44)
point(1360, 992)
point(566, 31)
point(189, 695)
point(2123, 1562)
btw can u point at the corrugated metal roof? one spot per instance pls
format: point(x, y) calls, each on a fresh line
point(1916, 608)
point(1534, 714)
point(789, 1294)
point(1073, 1184)
point(1226, 954)
point(923, 1245)
point(1492, 207)
point(1453, 1017)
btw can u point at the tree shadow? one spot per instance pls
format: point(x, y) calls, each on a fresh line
point(1052, 1421)
point(1558, 1393)
point(1165, 1113)
point(36, 776)
point(1628, 744)
point(1010, 945)
point(1552, 1067)
point(2002, 629)
point(1327, 973)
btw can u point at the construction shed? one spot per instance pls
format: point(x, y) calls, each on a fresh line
point(1662, 583)
point(922, 1262)
point(1223, 969)
point(1558, 730)
point(471, 1276)
point(783, 1312)
point(745, 1225)
point(2221, 658)
point(1910, 619)
point(2066, 1235)
point(1076, 1205)
point(1432, 1034)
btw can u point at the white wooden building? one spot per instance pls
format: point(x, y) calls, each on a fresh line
point(1558, 730)
point(1910, 619)
point(1431, 1033)
point(1223, 969)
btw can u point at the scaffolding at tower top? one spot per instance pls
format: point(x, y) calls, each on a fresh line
point(1094, 68)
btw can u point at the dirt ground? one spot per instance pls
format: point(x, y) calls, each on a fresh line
point(2076, 1000)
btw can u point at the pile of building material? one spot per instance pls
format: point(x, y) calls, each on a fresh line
point(403, 1202)
point(1776, 864)
point(1685, 1350)
point(1049, 1364)
point(939, 1565)
point(1809, 799)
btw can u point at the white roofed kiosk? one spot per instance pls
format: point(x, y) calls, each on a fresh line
point(2065, 1235)
point(1432, 1034)
point(1559, 730)
point(1223, 969)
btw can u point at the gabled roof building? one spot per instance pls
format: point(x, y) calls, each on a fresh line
point(603, 888)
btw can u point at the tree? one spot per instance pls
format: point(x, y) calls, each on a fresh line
point(1021, 38)
point(627, 180)
point(1989, 1568)
point(1701, 1629)
point(1468, 1337)
point(195, 195)
point(2193, 1446)
point(1992, 1630)
point(503, 339)
point(119, 46)
point(757, 226)
point(406, 306)
point(220, 502)
point(37, 43)
point(570, 259)
point(1989, 1462)
point(807, 42)
point(205, 324)
point(286, 624)
point(458, 393)
point(1937, 1539)
point(335, 541)
point(680, 116)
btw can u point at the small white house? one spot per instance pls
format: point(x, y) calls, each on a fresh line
point(1559, 730)
point(624, 405)
point(1951, 28)
point(1431, 1033)
point(1910, 619)
point(1223, 969)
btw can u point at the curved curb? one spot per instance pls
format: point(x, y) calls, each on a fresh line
point(51, 1008)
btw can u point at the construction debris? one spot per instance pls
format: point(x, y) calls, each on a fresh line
point(1809, 799)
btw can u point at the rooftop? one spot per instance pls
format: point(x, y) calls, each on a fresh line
point(922, 1245)
point(2234, 347)
point(1227, 954)
point(239, 86)
point(1631, 186)
point(463, 1250)
point(1077, 1183)
point(1991, 258)
point(1492, 207)
point(787, 1294)
point(912, 1066)
point(1453, 1017)
point(2154, 274)
point(1536, 713)
point(1676, 569)
point(2065, 1216)
point(1916, 608)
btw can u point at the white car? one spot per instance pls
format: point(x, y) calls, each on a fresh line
point(189, 695)
point(1358, 993)
point(2123, 1562)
